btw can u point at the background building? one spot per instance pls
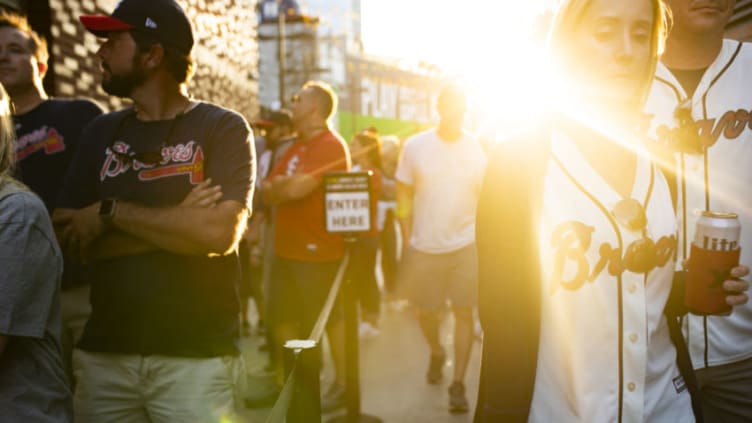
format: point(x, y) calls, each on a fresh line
point(322, 40)
point(394, 99)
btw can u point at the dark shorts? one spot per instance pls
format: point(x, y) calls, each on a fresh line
point(725, 391)
point(432, 280)
point(298, 291)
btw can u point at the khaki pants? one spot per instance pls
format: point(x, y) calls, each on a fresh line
point(154, 389)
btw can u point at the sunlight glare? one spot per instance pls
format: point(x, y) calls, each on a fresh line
point(490, 46)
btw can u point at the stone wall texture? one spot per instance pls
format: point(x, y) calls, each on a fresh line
point(226, 52)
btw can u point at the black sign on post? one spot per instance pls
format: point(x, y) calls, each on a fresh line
point(348, 202)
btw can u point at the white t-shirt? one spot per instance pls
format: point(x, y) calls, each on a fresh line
point(721, 107)
point(446, 178)
point(604, 341)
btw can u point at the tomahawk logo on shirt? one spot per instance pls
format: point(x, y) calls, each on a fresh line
point(179, 159)
point(43, 139)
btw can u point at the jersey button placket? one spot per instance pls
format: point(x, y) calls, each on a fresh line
point(634, 352)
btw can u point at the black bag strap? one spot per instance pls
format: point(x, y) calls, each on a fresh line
point(683, 360)
point(684, 363)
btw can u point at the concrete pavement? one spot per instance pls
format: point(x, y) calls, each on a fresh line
point(393, 366)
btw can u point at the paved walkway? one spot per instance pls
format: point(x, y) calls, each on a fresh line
point(393, 366)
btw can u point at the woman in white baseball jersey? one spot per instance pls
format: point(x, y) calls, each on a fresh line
point(576, 239)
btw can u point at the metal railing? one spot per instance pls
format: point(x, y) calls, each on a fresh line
point(303, 393)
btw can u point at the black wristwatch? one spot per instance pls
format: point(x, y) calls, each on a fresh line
point(107, 210)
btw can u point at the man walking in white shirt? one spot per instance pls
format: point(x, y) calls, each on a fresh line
point(438, 181)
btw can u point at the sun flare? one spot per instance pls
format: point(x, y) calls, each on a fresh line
point(493, 47)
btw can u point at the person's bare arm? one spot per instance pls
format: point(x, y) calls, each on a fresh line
point(182, 230)
point(117, 244)
point(199, 231)
point(282, 189)
point(389, 189)
point(81, 234)
point(405, 210)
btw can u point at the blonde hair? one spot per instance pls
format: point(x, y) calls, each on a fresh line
point(567, 19)
point(7, 138)
point(37, 43)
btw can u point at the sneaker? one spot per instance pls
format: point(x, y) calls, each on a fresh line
point(435, 367)
point(457, 398)
point(333, 399)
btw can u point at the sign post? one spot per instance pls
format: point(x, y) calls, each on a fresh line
point(348, 212)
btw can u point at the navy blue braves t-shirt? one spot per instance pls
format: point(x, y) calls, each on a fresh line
point(162, 302)
point(46, 140)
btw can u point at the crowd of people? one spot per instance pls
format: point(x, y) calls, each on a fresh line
point(132, 242)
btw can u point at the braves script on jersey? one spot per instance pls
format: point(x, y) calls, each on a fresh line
point(180, 159)
point(605, 354)
point(716, 177)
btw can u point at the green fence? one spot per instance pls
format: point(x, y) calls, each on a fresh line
point(350, 123)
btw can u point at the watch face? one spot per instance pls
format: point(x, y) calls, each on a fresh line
point(107, 207)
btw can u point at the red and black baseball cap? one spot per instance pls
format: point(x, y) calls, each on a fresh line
point(164, 20)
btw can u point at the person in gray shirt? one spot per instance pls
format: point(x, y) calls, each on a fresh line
point(33, 385)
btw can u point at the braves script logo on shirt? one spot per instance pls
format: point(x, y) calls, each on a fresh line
point(44, 138)
point(180, 159)
point(572, 239)
point(731, 125)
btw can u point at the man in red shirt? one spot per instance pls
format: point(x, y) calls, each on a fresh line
point(306, 256)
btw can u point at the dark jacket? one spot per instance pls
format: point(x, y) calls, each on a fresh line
point(508, 266)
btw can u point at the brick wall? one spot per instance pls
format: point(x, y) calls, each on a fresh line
point(226, 52)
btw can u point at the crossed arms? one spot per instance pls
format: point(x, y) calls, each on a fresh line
point(200, 225)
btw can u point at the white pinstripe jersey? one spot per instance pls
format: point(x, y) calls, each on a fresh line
point(722, 108)
point(605, 354)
